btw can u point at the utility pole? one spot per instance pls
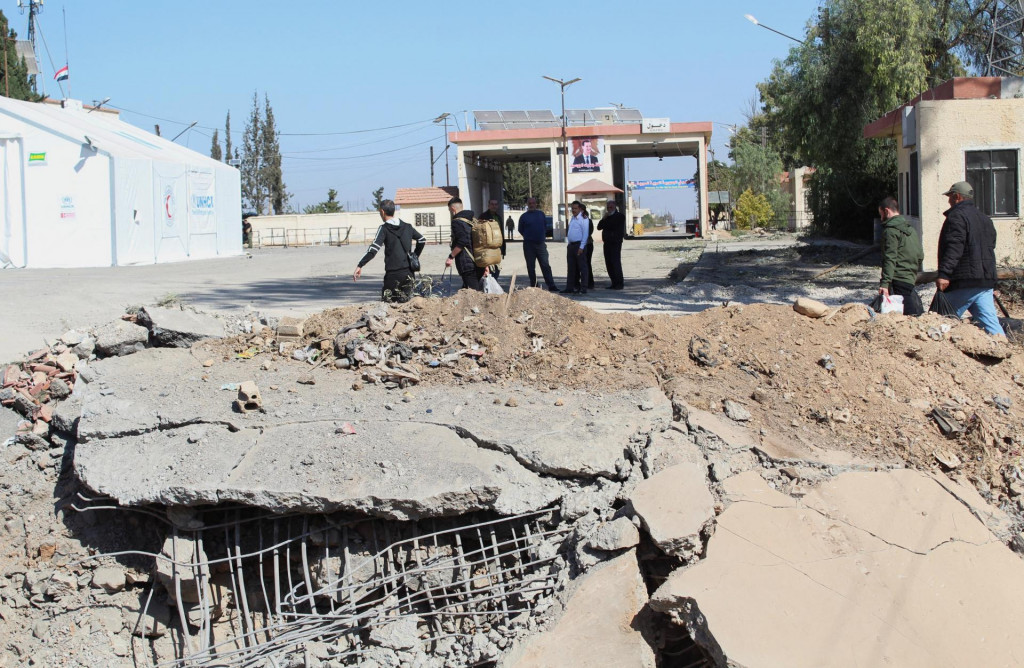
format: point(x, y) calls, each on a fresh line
point(431, 166)
point(443, 118)
point(565, 176)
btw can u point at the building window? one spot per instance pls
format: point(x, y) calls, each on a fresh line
point(914, 187)
point(993, 175)
point(425, 220)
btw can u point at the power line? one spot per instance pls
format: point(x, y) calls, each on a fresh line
point(367, 155)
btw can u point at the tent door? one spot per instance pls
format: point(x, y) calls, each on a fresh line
point(12, 206)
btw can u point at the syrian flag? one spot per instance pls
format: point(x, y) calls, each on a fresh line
point(61, 74)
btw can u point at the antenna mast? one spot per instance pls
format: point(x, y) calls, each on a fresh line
point(34, 7)
point(1005, 56)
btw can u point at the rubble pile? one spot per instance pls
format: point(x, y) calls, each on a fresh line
point(515, 480)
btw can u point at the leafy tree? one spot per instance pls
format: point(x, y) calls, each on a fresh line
point(16, 82)
point(215, 152)
point(759, 168)
point(753, 210)
point(520, 178)
point(272, 175)
point(378, 197)
point(254, 190)
point(331, 205)
point(263, 186)
point(228, 155)
point(861, 58)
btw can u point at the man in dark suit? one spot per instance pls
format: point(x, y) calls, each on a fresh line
point(613, 231)
point(587, 161)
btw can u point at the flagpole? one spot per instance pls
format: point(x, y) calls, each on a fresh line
point(66, 62)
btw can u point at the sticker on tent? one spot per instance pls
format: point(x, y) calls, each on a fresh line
point(37, 158)
point(67, 207)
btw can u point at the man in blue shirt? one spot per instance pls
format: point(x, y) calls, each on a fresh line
point(533, 229)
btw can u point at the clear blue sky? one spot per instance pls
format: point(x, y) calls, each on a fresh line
point(342, 67)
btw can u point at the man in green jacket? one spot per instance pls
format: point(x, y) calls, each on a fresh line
point(901, 257)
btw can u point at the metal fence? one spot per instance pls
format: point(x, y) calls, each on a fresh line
point(285, 237)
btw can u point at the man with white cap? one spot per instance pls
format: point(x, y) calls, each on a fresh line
point(967, 259)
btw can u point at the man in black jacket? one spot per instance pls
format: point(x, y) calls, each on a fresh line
point(967, 259)
point(396, 238)
point(613, 231)
point(462, 247)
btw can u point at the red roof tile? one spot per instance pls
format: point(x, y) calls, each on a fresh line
point(411, 196)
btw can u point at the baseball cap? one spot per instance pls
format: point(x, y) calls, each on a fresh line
point(962, 188)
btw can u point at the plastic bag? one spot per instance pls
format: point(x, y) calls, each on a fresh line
point(892, 304)
point(492, 287)
point(876, 303)
point(941, 305)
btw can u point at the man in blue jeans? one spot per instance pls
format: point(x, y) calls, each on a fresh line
point(533, 230)
point(967, 259)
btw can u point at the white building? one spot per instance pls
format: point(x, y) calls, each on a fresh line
point(84, 189)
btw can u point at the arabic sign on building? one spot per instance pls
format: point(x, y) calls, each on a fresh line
point(655, 125)
point(662, 184)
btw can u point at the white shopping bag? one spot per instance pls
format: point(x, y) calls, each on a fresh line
point(892, 304)
point(491, 287)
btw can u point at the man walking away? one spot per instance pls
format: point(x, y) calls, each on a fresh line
point(492, 214)
point(967, 259)
point(510, 227)
point(613, 231)
point(533, 230)
point(901, 257)
point(396, 238)
point(575, 253)
point(462, 247)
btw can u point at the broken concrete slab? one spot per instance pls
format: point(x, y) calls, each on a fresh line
point(392, 470)
point(179, 328)
point(782, 451)
point(588, 436)
point(674, 506)
point(670, 447)
point(995, 519)
point(793, 587)
point(733, 435)
point(120, 338)
point(8, 423)
point(616, 535)
point(751, 487)
point(919, 516)
point(602, 624)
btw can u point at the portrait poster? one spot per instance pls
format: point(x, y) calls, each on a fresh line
point(587, 154)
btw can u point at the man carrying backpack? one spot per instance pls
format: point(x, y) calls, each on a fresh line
point(400, 262)
point(462, 247)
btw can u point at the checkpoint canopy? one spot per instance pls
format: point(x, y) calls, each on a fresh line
point(81, 189)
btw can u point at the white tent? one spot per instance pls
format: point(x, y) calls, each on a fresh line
point(80, 189)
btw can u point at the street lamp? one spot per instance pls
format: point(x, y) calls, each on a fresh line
point(563, 85)
point(444, 118)
point(777, 32)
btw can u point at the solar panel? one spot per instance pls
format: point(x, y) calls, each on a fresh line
point(629, 115)
point(487, 116)
point(23, 48)
point(491, 126)
point(553, 123)
point(541, 115)
point(575, 116)
point(517, 117)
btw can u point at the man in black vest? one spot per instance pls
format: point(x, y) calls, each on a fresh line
point(613, 231)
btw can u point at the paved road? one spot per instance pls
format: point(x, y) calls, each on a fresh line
point(41, 304)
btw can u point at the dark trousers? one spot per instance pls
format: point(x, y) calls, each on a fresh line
point(537, 251)
point(398, 286)
point(473, 280)
point(576, 263)
point(589, 253)
point(911, 301)
point(613, 262)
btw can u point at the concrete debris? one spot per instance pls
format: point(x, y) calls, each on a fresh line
point(675, 505)
point(183, 569)
point(811, 308)
point(249, 398)
point(618, 534)
point(603, 624)
point(736, 411)
point(178, 327)
point(109, 578)
point(819, 584)
point(120, 338)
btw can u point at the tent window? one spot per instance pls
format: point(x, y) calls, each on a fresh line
point(993, 175)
